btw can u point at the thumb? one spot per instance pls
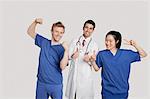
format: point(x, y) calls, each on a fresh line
point(94, 52)
point(77, 50)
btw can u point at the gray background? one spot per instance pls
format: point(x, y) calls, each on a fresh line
point(19, 55)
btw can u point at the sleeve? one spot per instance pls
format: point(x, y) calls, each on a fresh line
point(134, 56)
point(39, 39)
point(61, 54)
point(99, 60)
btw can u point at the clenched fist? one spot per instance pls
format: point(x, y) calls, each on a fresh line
point(93, 57)
point(86, 58)
point(39, 20)
point(75, 55)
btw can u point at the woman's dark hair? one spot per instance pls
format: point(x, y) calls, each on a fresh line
point(117, 36)
point(90, 22)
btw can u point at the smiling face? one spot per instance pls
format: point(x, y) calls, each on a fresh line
point(57, 33)
point(88, 30)
point(110, 42)
point(113, 40)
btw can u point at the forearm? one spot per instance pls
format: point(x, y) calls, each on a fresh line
point(64, 60)
point(31, 30)
point(140, 50)
point(96, 68)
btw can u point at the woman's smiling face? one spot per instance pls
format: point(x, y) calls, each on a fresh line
point(110, 42)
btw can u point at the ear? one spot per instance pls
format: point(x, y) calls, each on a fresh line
point(117, 41)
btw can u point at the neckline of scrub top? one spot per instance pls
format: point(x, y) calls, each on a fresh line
point(116, 55)
point(54, 45)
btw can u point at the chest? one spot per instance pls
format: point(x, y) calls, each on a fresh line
point(118, 61)
point(50, 51)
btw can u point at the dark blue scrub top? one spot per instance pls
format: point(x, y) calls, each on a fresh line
point(116, 70)
point(49, 70)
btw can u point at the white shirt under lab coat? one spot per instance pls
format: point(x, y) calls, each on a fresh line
point(80, 77)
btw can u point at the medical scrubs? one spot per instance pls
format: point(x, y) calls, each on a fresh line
point(49, 75)
point(115, 72)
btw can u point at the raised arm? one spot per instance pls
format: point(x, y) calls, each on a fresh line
point(32, 27)
point(137, 47)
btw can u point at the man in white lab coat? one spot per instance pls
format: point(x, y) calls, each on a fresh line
point(80, 77)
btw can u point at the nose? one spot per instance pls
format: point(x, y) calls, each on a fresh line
point(87, 30)
point(60, 34)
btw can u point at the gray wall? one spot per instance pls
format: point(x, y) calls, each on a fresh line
point(19, 55)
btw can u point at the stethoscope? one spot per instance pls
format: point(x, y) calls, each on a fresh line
point(79, 43)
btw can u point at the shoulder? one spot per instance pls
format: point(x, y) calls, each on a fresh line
point(126, 50)
point(38, 36)
point(60, 48)
point(101, 52)
point(76, 39)
point(94, 42)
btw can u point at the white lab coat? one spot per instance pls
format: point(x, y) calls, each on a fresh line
point(80, 80)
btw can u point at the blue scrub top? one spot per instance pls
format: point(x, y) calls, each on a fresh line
point(116, 70)
point(49, 70)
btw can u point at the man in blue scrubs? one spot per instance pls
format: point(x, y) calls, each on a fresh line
point(115, 63)
point(53, 59)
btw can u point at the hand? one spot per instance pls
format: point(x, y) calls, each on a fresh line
point(93, 57)
point(39, 20)
point(86, 58)
point(65, 45)
point(75, 54)
point(129, 42)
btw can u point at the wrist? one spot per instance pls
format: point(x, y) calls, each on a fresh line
point(92, 62)
point(35, 22)
point(66, 49)
point(135, 45)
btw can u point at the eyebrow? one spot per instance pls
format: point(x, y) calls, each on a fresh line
point(89, 27)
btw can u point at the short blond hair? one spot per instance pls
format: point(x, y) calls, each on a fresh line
point(57, 24)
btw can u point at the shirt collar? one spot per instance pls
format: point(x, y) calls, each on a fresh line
point(86, 39)
point(55, 43)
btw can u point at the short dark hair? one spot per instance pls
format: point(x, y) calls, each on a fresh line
point(117, 36)
point(57, 24)
point(90, 22)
